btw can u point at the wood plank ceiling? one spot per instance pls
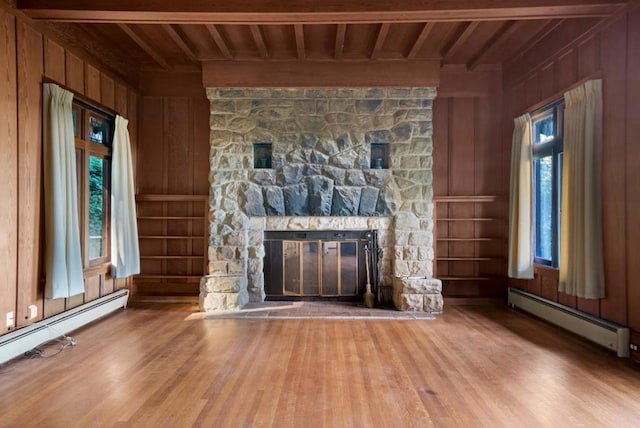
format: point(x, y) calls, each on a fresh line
point(178, 36)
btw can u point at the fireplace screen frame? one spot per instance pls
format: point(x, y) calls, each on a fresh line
point(288, 278)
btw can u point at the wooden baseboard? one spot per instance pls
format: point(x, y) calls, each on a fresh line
point(164, 299)
point(474, 301)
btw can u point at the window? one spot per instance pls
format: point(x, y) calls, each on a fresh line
point(93, 130)
point(547, 136)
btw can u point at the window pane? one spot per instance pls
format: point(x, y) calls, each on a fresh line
point(76, 116)
point(98, 130)
point(543, 170)
point(543, 129)
point(97, 207)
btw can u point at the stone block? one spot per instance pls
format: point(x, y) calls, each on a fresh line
point(235, 267)
point(304, 106)
point(218, 267)
point(346, 160)
point(327, 147)
point(290, 174)
point(255, 237)
point(433, 303)
point(320, 195)
point(368, 201)
point(257, 294)
point(334, 173)
point(418, 285)
point(406, 221)
point(235, 239)
point(311, 123)
point(250, 199)
point(344, 142)
point(379, 136)
point(368, 105)
point(376, 177)
point(346, 201)
point(355, 177)
point(256, 252)
point(296, 200)
point(222, 106)
point(402, 132)
point(273, 201)
point(219, 283)
point(319, 158)
point(263, 177)
point(419, 238)
point(303, 156)
point(417, 294)
point(408, 302)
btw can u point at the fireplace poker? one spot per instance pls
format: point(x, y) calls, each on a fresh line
point(368, 295)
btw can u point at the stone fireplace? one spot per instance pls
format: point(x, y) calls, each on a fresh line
point(321, 160)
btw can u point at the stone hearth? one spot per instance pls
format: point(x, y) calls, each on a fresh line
point(320, 176)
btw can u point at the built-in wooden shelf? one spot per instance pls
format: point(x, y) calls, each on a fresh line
point(148, 276)
point(169, 218)
point(480, 253)
point(170, 237)
point(171, 257)
point(469, 239)
point(174, 232)
point(466, 219)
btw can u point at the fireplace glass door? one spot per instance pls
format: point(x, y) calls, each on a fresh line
point(317, 265)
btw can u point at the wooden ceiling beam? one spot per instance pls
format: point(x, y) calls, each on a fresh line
point(145, 45)
point(311, 11)
point(256, 32)
point(382, 36)
point(299, 32)
point(320, 74)
point(181, 39)
point(341, 32)
point(458, 42)
point(424, 34)
point(219, 41)
point(504, 33)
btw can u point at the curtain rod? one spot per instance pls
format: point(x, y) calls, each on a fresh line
point(85, 100)
point(560, 94)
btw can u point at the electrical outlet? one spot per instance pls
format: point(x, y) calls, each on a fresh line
point(633, 347)
point(11, 320)
point(32, 312)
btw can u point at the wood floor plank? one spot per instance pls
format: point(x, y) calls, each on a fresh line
point(154, 366)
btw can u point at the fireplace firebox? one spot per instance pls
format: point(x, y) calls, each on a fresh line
point(318, 264)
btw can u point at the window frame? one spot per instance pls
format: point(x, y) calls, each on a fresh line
point(85, 149)
point(555, 149)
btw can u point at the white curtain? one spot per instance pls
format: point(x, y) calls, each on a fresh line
point(62, 231)
point(581, 260)
point(520, 206)
point(125, 253)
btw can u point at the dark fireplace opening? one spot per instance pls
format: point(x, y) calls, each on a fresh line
point(300, 265)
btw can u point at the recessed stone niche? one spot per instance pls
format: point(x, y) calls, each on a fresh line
point(321, 175)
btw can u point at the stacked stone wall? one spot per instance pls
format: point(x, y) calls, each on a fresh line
point(320, 168)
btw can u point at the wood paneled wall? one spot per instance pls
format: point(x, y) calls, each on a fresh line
point(612, 53)
point(469, 159)
point(26, 57)
point(174, 159)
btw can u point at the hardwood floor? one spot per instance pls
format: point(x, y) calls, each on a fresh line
point(155, 366)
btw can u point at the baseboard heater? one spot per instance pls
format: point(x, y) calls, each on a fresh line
point(26, 338)
point(607, 334)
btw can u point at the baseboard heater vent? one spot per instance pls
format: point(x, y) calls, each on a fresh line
point(607, 334)
point(26, 338)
